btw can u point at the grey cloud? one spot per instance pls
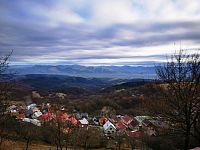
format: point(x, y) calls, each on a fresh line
point(29, 35)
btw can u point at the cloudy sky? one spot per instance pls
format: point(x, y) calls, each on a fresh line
point(97, 32)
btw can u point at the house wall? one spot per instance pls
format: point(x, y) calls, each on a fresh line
point(110, 130)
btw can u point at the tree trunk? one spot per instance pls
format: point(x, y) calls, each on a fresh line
point(119, 146)
point(1, 141)
point(187, 140)
point(27, 143)
point(60, 146)
point(85, 145)
point(132, 147)
point(59, 137)
point(66, 145)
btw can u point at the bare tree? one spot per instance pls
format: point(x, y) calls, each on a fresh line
point(5, 86)
point(180, 93)
point(132, 141)
point(4, 82)
point(89, 138)
point(26, 131)
point(119, 138)
point(69, 132)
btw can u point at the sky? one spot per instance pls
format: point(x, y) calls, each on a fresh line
point(97, 32)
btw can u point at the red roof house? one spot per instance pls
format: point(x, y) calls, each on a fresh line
point(127, 119)
point(120, 126)
point(103, 120)
point(114, 118)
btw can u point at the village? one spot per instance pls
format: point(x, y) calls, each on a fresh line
point(109, 125)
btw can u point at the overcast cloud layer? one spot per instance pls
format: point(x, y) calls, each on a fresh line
point(97, 32)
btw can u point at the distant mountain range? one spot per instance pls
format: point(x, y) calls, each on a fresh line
point(48, 82)
point(123, 72)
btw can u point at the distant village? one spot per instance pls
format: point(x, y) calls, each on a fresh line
point(109, 125)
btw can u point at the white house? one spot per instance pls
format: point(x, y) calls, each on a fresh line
point(35, 122)
point(36, 114)
point(109, 128)
point(26, 120)
point(84, 122)
point(31, 106)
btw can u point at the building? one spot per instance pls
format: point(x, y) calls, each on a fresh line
point(134, 125)
point(140, 119)
point(83, 122)
point(82, 115)
point(148, 127)
point(120, 126)
point(114, 119)
point(36, 114)
point(109, 128)
point(103, 120)
point(127, 119)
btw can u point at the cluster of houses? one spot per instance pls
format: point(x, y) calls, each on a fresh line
point(132, 126)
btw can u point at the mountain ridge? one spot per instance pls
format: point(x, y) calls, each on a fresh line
point(87, 71)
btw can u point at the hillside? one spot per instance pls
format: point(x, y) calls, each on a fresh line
point(62, 82)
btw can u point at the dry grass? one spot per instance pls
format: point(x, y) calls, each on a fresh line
point(16, 145)
point(13, 145)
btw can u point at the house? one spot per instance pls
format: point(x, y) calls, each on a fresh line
point(120, 126)
point(35, 122)
point(114, 119)
point(21, 110)
point(36, 114)
point(35, 109)
point(148, 127)
point(95, 121)
point(82, 115)
point(139, 119)
point(134, 125)
point(127, 119)
point(20, 116)
point(160, 126)
point(103, 120)
point(26, 119)
point(83, 122)
point(109, 128)
point(12, 108)
point(14, 111)
point(29, 113)
point(31, 106)
point(119, 117)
